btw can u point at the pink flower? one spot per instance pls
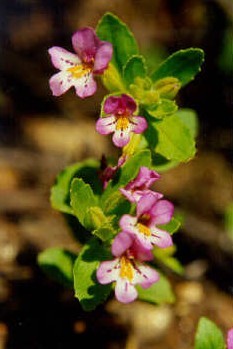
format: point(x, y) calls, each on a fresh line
point(127, 269)
point(121, 121)
point(230, 339)
point(76, 69)
point(150, 212)
point(139, 187)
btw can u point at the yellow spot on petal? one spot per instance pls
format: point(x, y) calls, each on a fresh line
point(143, 229)
point(80, 70)
point(127, 270)
point(122, 123)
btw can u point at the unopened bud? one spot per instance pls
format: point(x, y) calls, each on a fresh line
point(167, 87)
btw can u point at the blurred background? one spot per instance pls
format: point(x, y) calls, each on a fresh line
point(41, 134)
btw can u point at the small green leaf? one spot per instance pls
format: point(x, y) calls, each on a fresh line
point(183, 65)
point(158, 293)
point(82, 198)
point(134, 68)
point(164, 108)
point(172, 226)
point(175, 141)
point(58, 263)
point(165, 255)
point(60, 193)
point(208, 335)
point(98, 223)
point(112, 80)
point(110, 28)
point(87, 289)
point(189, 119)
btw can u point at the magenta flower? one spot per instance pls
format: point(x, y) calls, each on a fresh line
point(150, 213)
point(139, 187)
point(230, 339)
point(127, 269)
point(77, 69)
point(121, 121)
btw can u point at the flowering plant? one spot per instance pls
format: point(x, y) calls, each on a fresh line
point(120, 221)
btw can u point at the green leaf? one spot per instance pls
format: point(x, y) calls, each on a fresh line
point(175, 141)
point(208, 335)
point(110, 28)
point(189, 119)
point(164, 108)
point(134, 68)
point(82, 198)
point(112, 80)
point(183, 65)
point(165, 255)
point(172, 226)
point(58, 263)
point(228, 220)
point(98, 223)
point(161, 164)
point(87, 289)
point(158, 293)
point(60, 192)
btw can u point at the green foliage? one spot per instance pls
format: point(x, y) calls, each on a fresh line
point(208, 335)
point(87, 289)
point(163, 108)
point(58, 263)
point(135, 67)
point(183, 65)
point(158, 293)
point(110, 28)
point(228, 220)
point(172, 226)
point(60, 192)
point(165, 256)
point(174, 140)
point(82, 198)
point(189, 118)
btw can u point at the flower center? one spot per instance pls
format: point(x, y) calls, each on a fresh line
point(143, 229)
point(126, 269)
point(122, 123)
point(80, 70)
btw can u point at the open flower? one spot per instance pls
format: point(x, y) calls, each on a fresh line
point(139, 187)
point(150, 213)
point(76, 69)
point(121, 121)
point(126, 269)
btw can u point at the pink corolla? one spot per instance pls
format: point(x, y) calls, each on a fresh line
point(77, 69)
point(139, 187)
point(150, 213)
point(127, 268)
point(230, 339)
point(120, 119)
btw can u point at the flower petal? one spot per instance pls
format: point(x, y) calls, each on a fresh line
point(85, 86)
point(121, 243)
point(102, 57)
point(106, 125)
point(128, 104)
point(125, 292)
point(161, 212)
point(161, 238)
point(111, 105)
point(145, 179)
point(60, 83)
point(145, 276)
point(230, 339)
point(63, 59)
point(127, 223)
point(139, 124)
point(85, 43)
point(145, 203)
point(140, 252)
point(108, 271)
point(121, 137)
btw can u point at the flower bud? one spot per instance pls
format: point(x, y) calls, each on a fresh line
point(167, 87)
